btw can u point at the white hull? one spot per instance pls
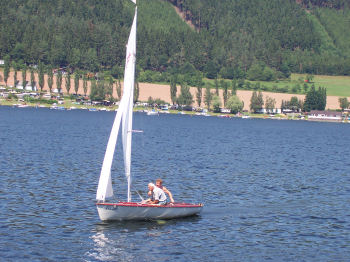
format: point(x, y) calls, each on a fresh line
point(136, 211)
point(152, 113)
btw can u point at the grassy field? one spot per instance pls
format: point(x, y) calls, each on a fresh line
point(336, 85)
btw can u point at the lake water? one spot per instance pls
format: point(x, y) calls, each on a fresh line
point(272, 190)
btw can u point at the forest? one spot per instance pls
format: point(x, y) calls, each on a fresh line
point(259, 40)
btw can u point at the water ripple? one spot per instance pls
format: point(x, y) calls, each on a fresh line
point(273, 190)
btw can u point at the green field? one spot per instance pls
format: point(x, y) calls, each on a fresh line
point(336, 85)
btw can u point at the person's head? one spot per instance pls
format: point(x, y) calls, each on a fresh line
point(151, 186)
point(159, 182)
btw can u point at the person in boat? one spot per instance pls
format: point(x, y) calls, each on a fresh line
point(157, 195)
point(159, 183)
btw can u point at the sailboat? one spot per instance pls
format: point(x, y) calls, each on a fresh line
point(116, 210)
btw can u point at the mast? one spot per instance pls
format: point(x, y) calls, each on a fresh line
point(129, 82)
point(124, 115)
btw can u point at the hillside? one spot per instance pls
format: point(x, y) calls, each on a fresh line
point(231, 38)
point(302, 36)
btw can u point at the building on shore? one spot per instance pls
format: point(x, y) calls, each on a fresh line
point(332, 116)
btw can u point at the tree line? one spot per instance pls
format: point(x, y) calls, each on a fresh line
point(102, 89)
point(278, 34)
point(314, 99)
point(246, 39)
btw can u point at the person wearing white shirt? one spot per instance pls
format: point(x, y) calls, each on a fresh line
point(158, 196)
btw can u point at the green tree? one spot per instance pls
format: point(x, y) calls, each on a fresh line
point(98, 90)
point(225, 91)
point(234, 104)
point(32, 78)
point(315, 99)
point(150, 101)
point(136, 92)
point(41, 77)
point(343, 103)
point(75, 58)
point(268, 74)
point(185, 97)
point(85, 86)
point(211, 70)
point(50, 79)
point(270, 103)
point(91, 60)
point(322, 94)
point(208, 97)
point(261, 72)
point(110, 88)
point(256, 102)
point(24, 76)
point(216, 86)
point(6, 69)
point(115, 72)
point(285, 70)
point(68, 83)
point(199, 93)
point(15, 68)
point(76, 82)
point(119, 89)
point(93, 90)
point(234, 87)
point(294, 104)
point(240, 84)
point(255, 72)
point(216, 104)
point(260, 99)
point(311, 100)
point(173, 90)
point(59, 81)
point(224, 36)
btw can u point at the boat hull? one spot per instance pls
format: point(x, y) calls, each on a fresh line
point(138, 211)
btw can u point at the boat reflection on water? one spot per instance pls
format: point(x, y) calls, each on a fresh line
point(117, 240)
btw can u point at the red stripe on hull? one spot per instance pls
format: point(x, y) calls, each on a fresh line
point(133, 204)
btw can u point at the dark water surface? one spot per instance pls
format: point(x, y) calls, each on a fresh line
point(273, 190)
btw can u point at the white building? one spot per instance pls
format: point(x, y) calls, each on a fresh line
point(332, 116)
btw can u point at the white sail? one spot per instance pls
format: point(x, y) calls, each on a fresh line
point(129, 81)
point(123, 115)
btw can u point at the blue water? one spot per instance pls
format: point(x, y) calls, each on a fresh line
point(273, 190)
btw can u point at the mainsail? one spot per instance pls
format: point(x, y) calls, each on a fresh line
point(123, 115)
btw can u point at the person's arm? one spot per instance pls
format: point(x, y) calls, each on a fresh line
point(149, 200)
point(169, 193)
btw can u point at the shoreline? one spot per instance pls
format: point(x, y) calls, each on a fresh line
point(157, 112)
